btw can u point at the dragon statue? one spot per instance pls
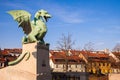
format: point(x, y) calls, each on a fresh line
point(34, 30)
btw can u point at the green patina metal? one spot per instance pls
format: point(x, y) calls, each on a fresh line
point(34, 30)
point(20, 58)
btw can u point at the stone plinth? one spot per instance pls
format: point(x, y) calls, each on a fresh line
point(114, 76)
point(35, 68)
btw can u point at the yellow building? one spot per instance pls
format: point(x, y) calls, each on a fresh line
point(97, 63)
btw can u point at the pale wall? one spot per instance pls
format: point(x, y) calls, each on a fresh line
point(30, 69)
point(114, 76)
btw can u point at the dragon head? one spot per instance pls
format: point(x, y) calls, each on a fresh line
point(43, 15)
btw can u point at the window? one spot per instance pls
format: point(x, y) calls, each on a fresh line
point(63, 65)
point(93, 64)
point(80, 65)
point(69, 66)
point(75, 65)
point(56, 65)
point(43, 63)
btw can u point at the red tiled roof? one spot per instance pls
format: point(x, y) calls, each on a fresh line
point(2, 60)
point(7, 51)
point(90, 56)
point(94, 54)
point(75, 52)
point(117, 54)
point(61, 56)
point(4, 52)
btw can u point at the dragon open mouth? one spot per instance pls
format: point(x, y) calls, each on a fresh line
point(46, 18)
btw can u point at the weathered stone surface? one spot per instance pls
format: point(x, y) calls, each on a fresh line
point(35, 68)
point(114, 76)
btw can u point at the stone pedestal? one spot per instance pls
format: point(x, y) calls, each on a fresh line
point(35, 68)
point(43, 67)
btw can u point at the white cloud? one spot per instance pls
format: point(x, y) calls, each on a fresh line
point(66, 15)
point(118, 41)
point(18, 6)
point(63, 13)
point(71, 18)
point(109, 29)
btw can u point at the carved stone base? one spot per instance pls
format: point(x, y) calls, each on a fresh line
point(35, 68)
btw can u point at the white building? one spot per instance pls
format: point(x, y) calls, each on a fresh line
point(59, 62)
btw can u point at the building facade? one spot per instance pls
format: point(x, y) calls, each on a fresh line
point(67, 67)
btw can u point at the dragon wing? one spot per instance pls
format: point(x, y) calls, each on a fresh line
point(23, 18)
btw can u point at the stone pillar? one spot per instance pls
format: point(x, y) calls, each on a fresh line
point(43, 67)
point(38, 63)
point(35, 68)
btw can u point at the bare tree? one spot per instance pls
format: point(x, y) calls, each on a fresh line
point(116, 48)
point(65, 43)
point(89, 46)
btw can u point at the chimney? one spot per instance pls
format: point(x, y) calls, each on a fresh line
point(106, 50)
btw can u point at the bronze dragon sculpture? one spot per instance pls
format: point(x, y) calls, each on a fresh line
point(34, 30)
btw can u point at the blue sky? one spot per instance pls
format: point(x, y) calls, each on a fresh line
point(96, 21)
